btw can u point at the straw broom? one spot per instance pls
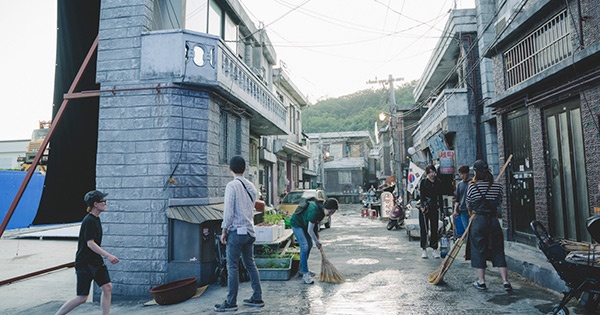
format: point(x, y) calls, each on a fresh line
point(437, 276)
point(328, 271)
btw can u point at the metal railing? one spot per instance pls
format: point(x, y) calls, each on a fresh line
point(543, 48)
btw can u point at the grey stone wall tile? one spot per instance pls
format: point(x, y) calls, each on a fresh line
point(107, 4)
point(118, 64)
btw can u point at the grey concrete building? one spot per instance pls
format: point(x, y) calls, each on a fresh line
point(10, 151)
point(290, 149)
point(450, 133)
point(530, 95)
point(183, 92)
point(341, 162)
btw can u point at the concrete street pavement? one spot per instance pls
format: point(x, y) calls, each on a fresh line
point(384, 271)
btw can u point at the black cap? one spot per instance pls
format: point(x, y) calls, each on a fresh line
point(93, 196)
point(481, 166)
point(331, 204)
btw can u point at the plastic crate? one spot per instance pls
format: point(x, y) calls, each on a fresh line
point(281, 274)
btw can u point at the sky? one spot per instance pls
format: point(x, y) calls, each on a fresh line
point(330, 48)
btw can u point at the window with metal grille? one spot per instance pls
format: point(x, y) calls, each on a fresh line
point(231, 135)
point(543, 48)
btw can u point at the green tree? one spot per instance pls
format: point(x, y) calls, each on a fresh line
point(353, 112)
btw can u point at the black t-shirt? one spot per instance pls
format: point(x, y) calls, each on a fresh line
point(91, 229)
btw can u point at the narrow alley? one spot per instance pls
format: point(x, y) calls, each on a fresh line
point(384, 271)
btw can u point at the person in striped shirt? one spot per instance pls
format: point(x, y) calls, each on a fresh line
point(485, 235)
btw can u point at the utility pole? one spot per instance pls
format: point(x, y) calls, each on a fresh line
point(397, 130)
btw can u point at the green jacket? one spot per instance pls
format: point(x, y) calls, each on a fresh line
point(314, 213)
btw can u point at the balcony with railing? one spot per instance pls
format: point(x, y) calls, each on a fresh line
point(449, 103)
point(203, 60)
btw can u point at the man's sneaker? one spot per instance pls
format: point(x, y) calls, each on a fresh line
point(225, 307)
point(308, 279)
point(255, 303)
point(312, 274)
point(480, 286)
point(507, 286)
point(436, 253)
point(424, 253)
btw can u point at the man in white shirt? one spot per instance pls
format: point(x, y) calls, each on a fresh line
point(238, 234)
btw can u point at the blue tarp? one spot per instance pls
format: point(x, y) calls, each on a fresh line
point(10, 182)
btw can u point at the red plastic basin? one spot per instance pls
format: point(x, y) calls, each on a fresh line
point(174, 292)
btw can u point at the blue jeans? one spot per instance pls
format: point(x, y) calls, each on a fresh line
point(460, 223)
point(241, 245)
point(464, 219)
point(305, 242)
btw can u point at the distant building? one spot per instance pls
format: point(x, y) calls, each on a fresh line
point(340, 160)
point(10, 151)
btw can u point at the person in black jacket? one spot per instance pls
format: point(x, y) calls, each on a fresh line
point(431, 202)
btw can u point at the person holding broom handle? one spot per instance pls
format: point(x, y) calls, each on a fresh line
point(431, 203)
point(304, 225)
point(486, 239)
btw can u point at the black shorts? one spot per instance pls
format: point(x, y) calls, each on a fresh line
point(87, 273)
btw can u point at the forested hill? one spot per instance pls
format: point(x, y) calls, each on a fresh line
point(353, 112)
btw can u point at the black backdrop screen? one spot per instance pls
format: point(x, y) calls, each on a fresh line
point(72, 158)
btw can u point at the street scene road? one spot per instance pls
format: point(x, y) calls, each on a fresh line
point(384, 273)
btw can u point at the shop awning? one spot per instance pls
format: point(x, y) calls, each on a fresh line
point(195, 214)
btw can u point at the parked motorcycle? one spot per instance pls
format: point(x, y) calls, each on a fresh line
point(397, 216)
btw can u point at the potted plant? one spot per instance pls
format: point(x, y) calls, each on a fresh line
point(270, 229)
point(272, 266)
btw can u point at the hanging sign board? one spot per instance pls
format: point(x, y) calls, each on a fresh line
point(437, 144)
point(387, 204)
point(446, 162)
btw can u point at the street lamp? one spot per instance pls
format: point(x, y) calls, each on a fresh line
point(412, 151)
point(324, 156)
point(397, 143)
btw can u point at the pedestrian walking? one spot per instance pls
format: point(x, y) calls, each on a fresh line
point(431, 203)
point(460, 211)
point(371, 193)
point(305, 225)
point(486, 240)
point(238, 235)
point(89, 264)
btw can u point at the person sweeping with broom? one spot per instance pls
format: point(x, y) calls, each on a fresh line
point(486, 239)
point(305, 222)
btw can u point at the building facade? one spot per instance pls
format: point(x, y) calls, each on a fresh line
point(341, 161)
point(547, 81)
point(10, 151)
point(184, 91)
point(450, 132)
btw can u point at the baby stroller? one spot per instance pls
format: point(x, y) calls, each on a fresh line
point(582, 278)
point(221, 271)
